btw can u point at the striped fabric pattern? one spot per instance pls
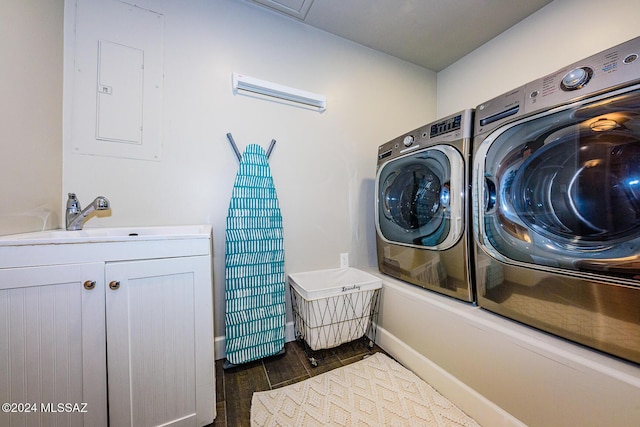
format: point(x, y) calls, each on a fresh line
point(254, 274)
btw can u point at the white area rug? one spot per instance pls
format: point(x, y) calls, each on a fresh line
point(376, 391)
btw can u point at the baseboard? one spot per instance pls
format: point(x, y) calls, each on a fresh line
point(219, 343)
point(484, 411)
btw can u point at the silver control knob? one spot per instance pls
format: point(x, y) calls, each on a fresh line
point(576, 78)
point(408, 140)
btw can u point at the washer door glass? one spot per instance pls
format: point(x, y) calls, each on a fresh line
point(418, 202)
point(563, 189)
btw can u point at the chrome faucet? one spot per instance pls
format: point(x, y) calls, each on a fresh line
point(76, 215)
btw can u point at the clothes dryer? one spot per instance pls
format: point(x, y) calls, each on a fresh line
point(422, 208)
point(556, 202)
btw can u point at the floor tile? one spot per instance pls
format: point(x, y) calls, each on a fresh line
point(235, 386)
point(285, 368)
point(239, 384)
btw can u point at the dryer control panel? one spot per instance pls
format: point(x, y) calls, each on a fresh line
point(450, 130)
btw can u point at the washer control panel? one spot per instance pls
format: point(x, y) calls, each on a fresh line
point(617, 66)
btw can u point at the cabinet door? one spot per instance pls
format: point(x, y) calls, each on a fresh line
point(52, 345)
point(160, 342)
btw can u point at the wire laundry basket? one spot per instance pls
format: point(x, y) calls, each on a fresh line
point(338, 315)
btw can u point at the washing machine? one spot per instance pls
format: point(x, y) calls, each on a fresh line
point(422, 206)
point(556, 202)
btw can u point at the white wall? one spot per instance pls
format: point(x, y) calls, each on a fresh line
point(559, 34)
point(30, 115)
point(323, 163)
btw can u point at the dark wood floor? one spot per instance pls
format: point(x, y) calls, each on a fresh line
point(235, 386)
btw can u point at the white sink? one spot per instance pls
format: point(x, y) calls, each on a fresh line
point(89, 235)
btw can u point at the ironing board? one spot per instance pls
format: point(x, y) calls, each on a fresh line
point(254, 261)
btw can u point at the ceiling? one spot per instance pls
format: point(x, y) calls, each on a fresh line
point(430, 33)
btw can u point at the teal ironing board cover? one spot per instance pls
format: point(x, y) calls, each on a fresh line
point(254, 261)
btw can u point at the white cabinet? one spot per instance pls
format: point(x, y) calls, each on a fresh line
point(52, 347)
point(149, 320)
point(158, 374)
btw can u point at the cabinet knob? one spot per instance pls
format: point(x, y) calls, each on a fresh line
point(113, 285)
point(89, 284)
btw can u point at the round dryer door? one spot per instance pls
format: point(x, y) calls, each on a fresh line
point(419, 198)
point(563, 189)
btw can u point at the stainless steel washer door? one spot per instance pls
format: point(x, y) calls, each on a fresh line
point(419, 198)
point(582, 188)
point(562, 189)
